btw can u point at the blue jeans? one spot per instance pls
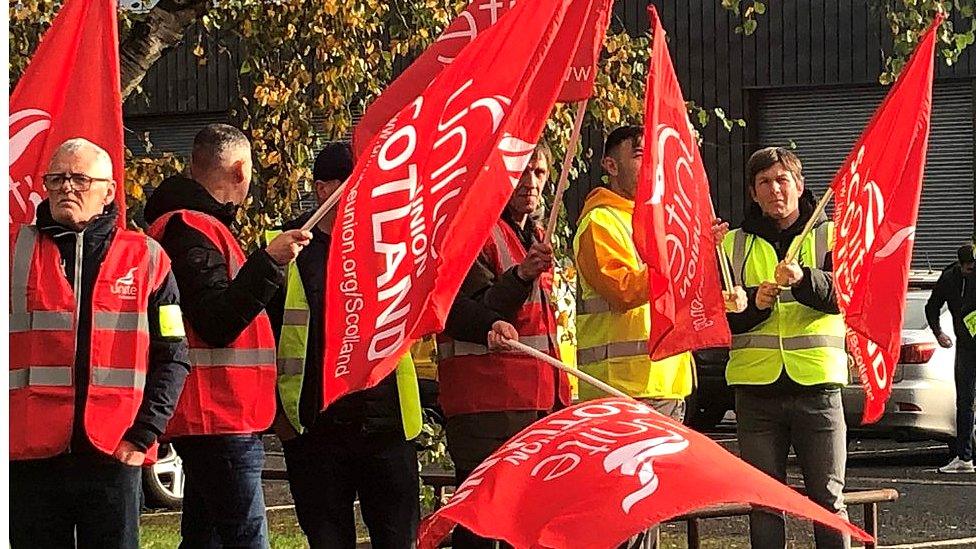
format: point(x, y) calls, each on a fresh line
point(223, 503)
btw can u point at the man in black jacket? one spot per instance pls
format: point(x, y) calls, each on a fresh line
point(357, 445)
point(84, 496)
point(223, 499)
point(956, 287)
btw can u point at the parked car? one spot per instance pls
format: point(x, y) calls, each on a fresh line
point(923, 392)
point(922, 404)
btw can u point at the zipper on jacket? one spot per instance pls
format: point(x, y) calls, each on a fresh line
point(79, 252)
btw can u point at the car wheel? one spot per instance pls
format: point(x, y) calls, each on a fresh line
point(162, 482)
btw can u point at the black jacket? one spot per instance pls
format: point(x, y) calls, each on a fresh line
point(485, 298)
point(958, 291)
point(169, 361)
point(216, 307)
point(373, 410)
point(816, 290)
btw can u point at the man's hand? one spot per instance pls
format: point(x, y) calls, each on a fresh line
point(501, 331)
point(736, 300)
point(944, 340)
point(538, 261)
point(788, 274)
point(285, 247)
point(719, 230)
point(766, 295)
point(129, 454)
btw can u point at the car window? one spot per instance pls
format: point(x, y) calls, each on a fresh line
point(915, 311)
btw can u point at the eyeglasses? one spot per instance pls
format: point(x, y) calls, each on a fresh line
point(79, 181)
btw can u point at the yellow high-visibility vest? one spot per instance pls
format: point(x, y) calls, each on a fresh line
point(612, 346)
point(808, 343)
point(292, 348)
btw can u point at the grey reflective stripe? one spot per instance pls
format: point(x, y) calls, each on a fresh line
point(291, 366)
point(591, 306)
point(51, 376)
point(820, 244)
point(154, 250)
point(125, 378)
point(797, 343)
point(121, 322)
point(233, 264)
point(618, 349)
point(739, 257)
point(463, 348)
point(41, 321)
point(205, 358)
point(295, 317)
point(504, 253)
point(23, 253)
point(786, 296)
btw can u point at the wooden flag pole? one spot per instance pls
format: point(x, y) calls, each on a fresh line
point(821, 206)
point(723, 265)
point(569, 370)
point(324, 208)
point(557, 201)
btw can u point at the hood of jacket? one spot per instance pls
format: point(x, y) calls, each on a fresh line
point(182, 193)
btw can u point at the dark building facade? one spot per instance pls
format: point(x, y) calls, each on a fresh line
point(807, 78)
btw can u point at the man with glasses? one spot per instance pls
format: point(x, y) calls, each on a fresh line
point(98, 358)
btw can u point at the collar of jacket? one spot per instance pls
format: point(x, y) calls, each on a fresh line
point(182, 193)
point(604, 197)
point(758, 224)
point(100, 228)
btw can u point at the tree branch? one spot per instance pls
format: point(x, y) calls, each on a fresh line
point(164, 27)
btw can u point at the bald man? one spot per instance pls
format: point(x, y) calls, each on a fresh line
point(98, 359)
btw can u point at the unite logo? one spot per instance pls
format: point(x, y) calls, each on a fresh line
point(466, 27)
point(24, 127)
point(637, 459)
point(125, 286)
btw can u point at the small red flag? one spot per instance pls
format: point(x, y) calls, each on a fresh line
point(877, 194)
point(673, 219)
point(600, 472)
point(476, 19)
point(419, 205)
point(70, 89)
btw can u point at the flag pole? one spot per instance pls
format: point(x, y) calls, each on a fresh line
point(821, 206)
point(564, 173)
point(569, 370)
point(723, 265)
point(324, 208)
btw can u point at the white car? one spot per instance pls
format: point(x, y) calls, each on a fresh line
point(923, 393)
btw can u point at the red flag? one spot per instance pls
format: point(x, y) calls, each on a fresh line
point(418, 207)
point(70, 89)
point(599, 472)
point(476, 19)
point(673, 218)
point(877, 193)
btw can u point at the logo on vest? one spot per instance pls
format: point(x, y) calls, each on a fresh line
point(125, 286)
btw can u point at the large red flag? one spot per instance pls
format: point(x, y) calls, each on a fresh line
point(418, 207)
point(70, 89)
point(877, 193)
point(673, 219)
point(477, 18)
point(597, 473)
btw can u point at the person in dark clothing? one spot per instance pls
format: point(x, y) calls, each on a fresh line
point(788, 361)
point(222, 451)
point(956, 288)
point(88, 493)
point(489, 395)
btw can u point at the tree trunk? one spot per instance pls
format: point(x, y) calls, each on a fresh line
point(148, 40)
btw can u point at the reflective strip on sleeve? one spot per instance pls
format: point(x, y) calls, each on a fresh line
point(171, 321)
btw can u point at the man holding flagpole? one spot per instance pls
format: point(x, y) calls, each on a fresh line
point(787, 362)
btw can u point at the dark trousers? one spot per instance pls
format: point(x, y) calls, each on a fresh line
point(470, 439)
point(83, 500)
point(965, 394)
point(327, 469)
point(223, 502)
point(813, 424)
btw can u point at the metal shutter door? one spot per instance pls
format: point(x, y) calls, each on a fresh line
point(824, 124)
